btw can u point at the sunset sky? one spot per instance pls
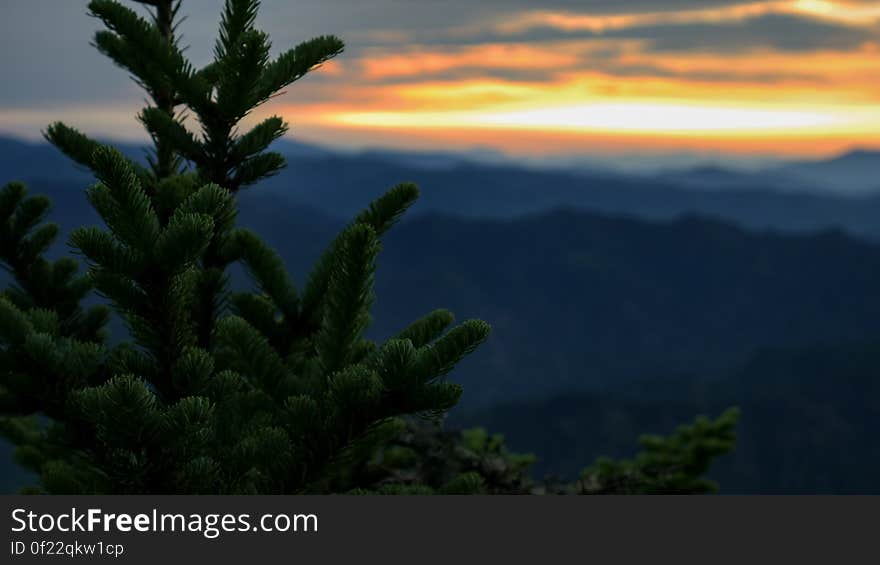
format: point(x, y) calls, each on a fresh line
point(557, 77)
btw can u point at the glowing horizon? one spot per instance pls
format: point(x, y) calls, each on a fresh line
point(730, 100)
point(791, 77)
point(622, 117)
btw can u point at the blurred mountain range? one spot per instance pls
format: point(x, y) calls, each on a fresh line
point(621, 303)
point(799, 196)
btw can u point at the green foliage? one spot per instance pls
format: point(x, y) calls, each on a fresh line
point(667, 465)
point(426, 459)
point(240, 78)
point(244, 392)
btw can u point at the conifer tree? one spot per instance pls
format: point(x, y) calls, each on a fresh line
point(268, 391)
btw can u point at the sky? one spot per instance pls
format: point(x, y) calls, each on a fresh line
point(550, 78)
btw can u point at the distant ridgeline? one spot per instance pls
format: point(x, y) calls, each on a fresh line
point(809, 196)
point(606, 326)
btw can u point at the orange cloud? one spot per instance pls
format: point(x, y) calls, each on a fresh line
point(826, 78)
point(608, 94)
point(421, 61)
point(332, 68)
point(842, 12)
point(853, 12)
point(571, 21)
point(832, 105)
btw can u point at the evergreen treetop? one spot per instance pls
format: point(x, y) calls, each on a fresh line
point(268, 391)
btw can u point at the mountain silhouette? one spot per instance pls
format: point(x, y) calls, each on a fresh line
point(854, 172)
point(597, 285)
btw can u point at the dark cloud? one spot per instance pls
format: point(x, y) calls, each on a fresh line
point(47, 59)
point(355, 15)
point(783, 32)
point(773, 31)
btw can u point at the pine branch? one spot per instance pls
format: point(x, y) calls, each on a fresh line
point(349, 297)
point(79, 147)
point(380, 216)
point(267, 269)
point(257, 139)
point(428, 328)
point(121, 201)
point(238, 16)
point(295, 63)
